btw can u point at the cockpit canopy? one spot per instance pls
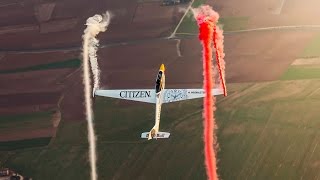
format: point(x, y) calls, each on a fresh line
point(158, 82)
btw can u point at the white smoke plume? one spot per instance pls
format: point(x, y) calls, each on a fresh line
point(95, 24)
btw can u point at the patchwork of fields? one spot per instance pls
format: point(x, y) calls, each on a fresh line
point(268, 126)
point(274, 126)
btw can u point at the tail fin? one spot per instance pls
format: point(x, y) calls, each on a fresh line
point(158, 135)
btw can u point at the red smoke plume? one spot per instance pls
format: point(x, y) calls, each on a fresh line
point(208, 31)
point(218, 45)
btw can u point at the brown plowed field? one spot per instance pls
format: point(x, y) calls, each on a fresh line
point(129, 22)
point(15, 61)
point(26, 134)
point(33, 81)
point(25, 99)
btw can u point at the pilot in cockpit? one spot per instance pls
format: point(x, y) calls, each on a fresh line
point(158, 82)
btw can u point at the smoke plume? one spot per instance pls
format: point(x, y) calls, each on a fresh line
point(95, 24)
point(207, 20)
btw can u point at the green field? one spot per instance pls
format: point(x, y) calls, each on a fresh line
point(24, 123)
point(301, 72)
point(233, 23)
point(310, 71)
point(26, 143)
point(312, 49)
point(25, 117)
point(71, 63)
point(271, 132)
point(266, 131)
point(64, 158)
point(197, 3)
point(189, 24)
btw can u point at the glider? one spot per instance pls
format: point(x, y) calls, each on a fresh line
point(158, 96)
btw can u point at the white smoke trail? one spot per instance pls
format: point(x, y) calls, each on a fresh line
point(95, 24)
point(93, 47)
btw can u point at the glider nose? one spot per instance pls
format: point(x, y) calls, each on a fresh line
point(162, 68)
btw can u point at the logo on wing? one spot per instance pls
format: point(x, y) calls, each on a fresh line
point(172, 95)
point(135, 94)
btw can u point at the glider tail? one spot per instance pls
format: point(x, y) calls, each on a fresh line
point(155, 135)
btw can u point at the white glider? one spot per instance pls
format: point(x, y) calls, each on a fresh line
point(157, 96)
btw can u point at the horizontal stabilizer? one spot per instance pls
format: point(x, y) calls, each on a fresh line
point(159, 135)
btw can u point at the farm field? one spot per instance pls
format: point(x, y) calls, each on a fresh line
point(267, 125)
point(260, 119)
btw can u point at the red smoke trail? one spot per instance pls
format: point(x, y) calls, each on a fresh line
point(207, 19)
point(206, 36)
point(218, 45)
